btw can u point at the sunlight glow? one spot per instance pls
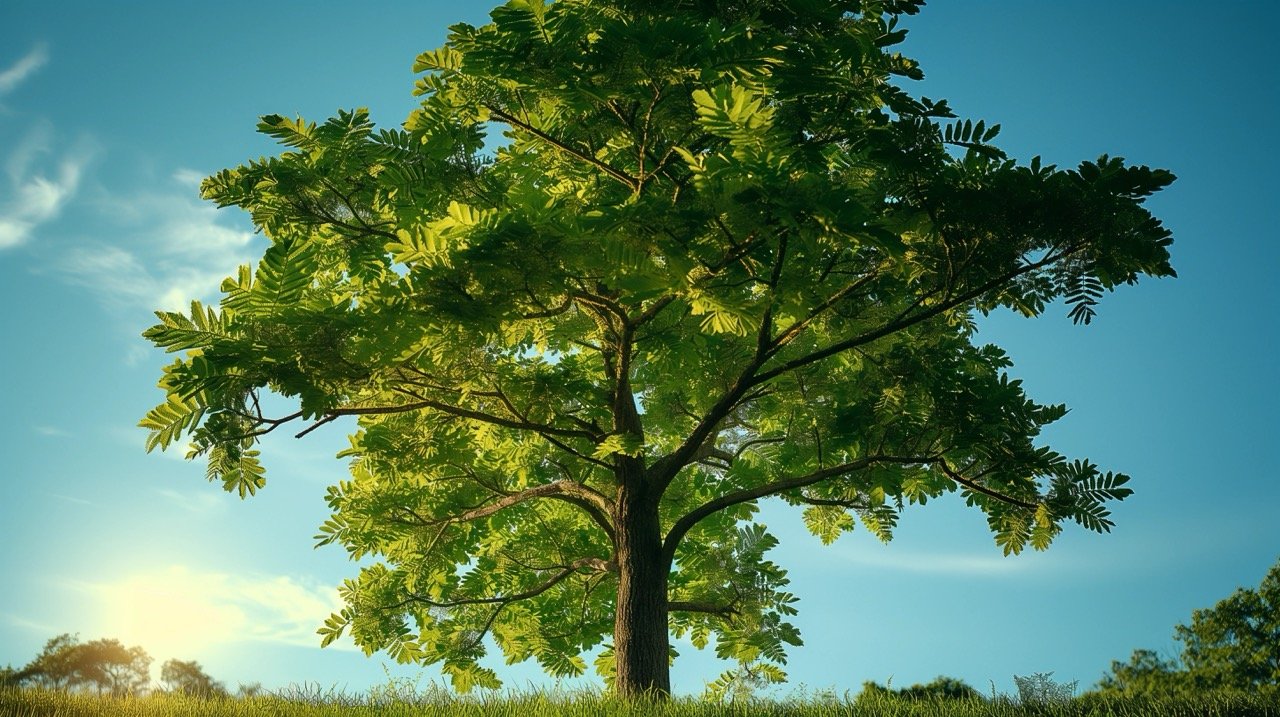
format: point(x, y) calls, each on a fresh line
point(181, 613)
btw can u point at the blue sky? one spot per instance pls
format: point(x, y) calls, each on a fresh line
point(109, 116)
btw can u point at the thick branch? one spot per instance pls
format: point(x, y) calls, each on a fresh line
point(668, 466)
point(693, 517)
point(570, 491)
point(702, 607)
point(907, 321)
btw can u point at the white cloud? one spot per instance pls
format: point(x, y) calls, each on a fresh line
point(203, 501)
point(38, 141)
point(22, 69)
point(175, 249)
point(51, 431)
point(180, 611)
point(70, 499)
point(188, 177)
point(35, 198)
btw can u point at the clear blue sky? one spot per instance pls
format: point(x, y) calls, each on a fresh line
point(110, 114)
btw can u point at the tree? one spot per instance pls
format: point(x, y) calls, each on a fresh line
point(1146, 675)
point(55, 666)
point(111, 667)
point(190, 679)
point(1233, 646)
point(1236, 643)
point(941, 688)
point(718, 256)
point(106, 664)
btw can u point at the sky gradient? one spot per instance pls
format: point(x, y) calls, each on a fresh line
point(109, 118)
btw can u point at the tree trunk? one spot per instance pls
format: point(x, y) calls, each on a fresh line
point(640, 640)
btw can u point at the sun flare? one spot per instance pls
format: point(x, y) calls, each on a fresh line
point(181, 613)
point(173, 613)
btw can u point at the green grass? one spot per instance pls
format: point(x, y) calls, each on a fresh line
point(314, 702)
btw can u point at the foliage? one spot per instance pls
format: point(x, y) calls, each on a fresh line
point(1236, 643)
point(105, 665)
point(941, 688)
point(1146, 674)
point(190, 679)
point(717, 256)
point(1233, 646)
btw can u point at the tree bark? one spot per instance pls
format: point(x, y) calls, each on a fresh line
point(640, 640)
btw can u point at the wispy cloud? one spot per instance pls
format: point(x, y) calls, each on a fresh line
point(17, 73)
point(37, 197)
point(203, 501)
point(174, 249)
point(180, 610)
point(70, 499)
point(30, 625)
point(50, 431)
point(938, 563)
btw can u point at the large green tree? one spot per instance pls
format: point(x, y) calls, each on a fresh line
point(712, 255)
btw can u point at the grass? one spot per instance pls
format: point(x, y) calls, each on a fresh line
point(315, 702)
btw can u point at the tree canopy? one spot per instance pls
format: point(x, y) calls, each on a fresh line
point(1235, 645)
point(189, 678)
point(105, 665)
point(630, 268)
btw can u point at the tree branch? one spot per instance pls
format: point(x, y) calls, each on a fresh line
point(978, 487)
point(904, 321)
point(702, 607)
point(596, 563)
point(596, 505)
point(631, 182)
point(693, 517)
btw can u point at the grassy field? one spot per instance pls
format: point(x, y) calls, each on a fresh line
point(317, 703)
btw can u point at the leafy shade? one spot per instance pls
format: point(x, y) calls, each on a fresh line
point(717, 256)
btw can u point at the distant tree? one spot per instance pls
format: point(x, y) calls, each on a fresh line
point(105, 665)
point(111, 667)
point(55, 667)
point(719, 257)
point(1146, 674)
point(1234, 646)
point(251, 689)
point(190, 679)
point(1236, 643)
point(947, 688)
point(941, 688)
